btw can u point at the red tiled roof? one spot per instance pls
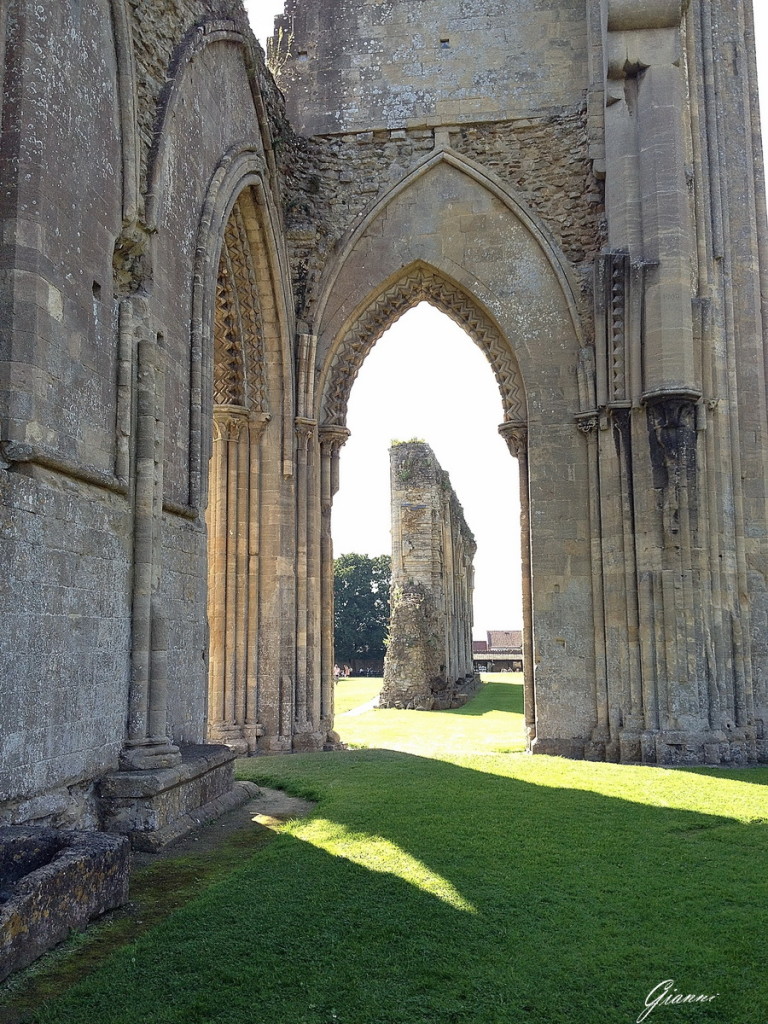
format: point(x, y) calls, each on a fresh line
point(479, 646)
point(504, 639)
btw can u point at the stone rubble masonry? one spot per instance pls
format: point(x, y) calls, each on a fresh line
point(428, 664)
point(332, 181)
point(53, 882)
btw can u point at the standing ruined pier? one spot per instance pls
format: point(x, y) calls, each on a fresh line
point(429, 656)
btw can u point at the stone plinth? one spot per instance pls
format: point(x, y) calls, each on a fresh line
point(429, 656)
point(51, 882)
point(154, 807)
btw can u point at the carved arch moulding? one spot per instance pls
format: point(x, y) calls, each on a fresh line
point(420, 283)
point(238, 375)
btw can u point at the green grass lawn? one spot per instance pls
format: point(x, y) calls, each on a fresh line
point(352, 692)
point(464, 886)
point(491, 723)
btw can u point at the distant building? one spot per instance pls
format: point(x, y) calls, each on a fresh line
point(501, 652)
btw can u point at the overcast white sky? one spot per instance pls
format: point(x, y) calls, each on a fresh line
point(425, 378)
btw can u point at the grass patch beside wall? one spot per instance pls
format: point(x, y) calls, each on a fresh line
point(466, 888)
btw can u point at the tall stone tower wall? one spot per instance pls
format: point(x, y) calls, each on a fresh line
point(367, 66)
point(429, 654)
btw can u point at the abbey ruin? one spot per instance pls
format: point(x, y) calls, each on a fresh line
point(428, 664)
point(195, 265)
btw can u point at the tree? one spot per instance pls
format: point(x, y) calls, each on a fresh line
point(361, 606)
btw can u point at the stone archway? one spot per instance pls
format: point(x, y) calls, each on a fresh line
point(452, 234)
point(240, 414)
point(422, 283)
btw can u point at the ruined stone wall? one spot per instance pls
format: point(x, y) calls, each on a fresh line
point(127, 131)
point(428, 664)
point(333, 180)
point(638, 190)
point(357, 66)
point(65, 520)
point(374, 93)
point(578, 185)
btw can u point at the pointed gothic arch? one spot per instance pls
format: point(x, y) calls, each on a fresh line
point(423, 283)
point(451, 234)
point(419, 283)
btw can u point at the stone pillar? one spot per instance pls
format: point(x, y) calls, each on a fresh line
point(601, 736)
point(233, 577)
point(428, 663)
point(303, 720)
point(516, 437)
point(647, 195)
point(332, 439)
point(148, 744)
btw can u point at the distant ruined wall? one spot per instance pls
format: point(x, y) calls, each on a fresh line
point(428, 664)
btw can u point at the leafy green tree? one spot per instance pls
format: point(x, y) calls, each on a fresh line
point(361, 605)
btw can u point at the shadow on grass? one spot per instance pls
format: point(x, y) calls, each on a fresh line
point(580, 904)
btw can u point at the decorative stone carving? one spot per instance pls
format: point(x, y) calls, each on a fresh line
point(418, 285)
point(516, 436)
point(238, 334)
point(587, 423)
point(238, 423)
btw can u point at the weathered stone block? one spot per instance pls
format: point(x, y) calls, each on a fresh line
point(52, 882)
point(152, 808)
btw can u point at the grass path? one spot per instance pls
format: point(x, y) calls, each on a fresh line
point(470, 886)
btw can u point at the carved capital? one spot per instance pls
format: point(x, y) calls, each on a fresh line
point(258, 422)
point(229, 422)
point(516, 436)
point(672, 434)
point(305, 431)
point(332, 438)
point(587, 423)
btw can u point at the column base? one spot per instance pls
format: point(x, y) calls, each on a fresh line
point(150, 754)
point(308, 741)
point(573, 748)
point(670, 747)
point(155, 806)
point(229, 735)
point(333, 741)
point(726, 747)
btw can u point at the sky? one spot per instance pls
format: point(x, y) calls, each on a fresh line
point(425, 378)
